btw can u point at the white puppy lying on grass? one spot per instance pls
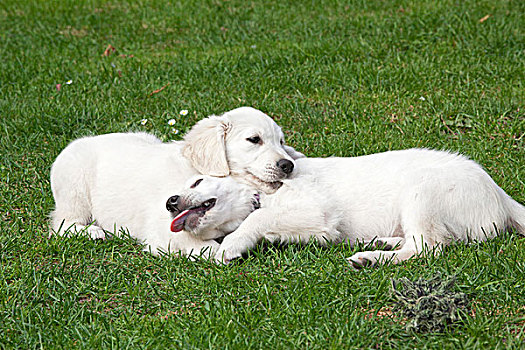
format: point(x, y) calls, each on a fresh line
point(107, 182)
point(406, 200)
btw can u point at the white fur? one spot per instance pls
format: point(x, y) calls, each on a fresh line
point(234, 202)
point(113, 181)
point(218, 146)
point(411, 200)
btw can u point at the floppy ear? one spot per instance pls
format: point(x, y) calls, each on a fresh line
point(293, 153)
point(205, 146)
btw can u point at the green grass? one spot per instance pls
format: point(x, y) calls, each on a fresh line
point(342, 78)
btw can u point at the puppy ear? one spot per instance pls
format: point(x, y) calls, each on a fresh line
point(293, 153)
point(205, 146)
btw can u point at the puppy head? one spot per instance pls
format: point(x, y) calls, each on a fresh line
point(245, 143)
point(211, 207)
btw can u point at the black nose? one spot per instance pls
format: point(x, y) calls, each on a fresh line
point(285, 165)
point(171, 203)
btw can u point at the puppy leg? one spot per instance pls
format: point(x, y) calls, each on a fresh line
point(73, 215)
point(371, 258)
point(73, 210)
point(70, 183)
point(421, 224)
point(65, 227)
point(287, 225)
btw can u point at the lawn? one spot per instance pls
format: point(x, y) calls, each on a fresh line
point(342, 78)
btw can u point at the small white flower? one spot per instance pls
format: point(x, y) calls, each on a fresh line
point(171, 122)
point(184, 112)
point(113, 65)
point(69, 82)
point(422, 98)
point(143, 122)
point(175, 131)
point(253, 46)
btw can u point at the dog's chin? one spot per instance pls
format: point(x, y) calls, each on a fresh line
point(267, 187)
point(270, 187)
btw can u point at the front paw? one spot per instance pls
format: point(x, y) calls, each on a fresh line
point(207, 250)
point(97, 233)
point(225, 255)
point(361, 260)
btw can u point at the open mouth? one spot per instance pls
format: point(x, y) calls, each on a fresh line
point(196, 211)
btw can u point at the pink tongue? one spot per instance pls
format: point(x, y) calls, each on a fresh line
point(178, 223)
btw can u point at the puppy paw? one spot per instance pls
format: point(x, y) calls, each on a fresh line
point(366, 259)
point(361, 260)
point(388, 243)
point(376, 257)
point(206, 251)
point(96, 233)
point(225, 256)
point(380, 244)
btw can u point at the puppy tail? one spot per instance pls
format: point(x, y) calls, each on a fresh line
point(516, 215)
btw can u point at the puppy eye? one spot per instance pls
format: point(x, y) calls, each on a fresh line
point(196, 183)
point(254, 139)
